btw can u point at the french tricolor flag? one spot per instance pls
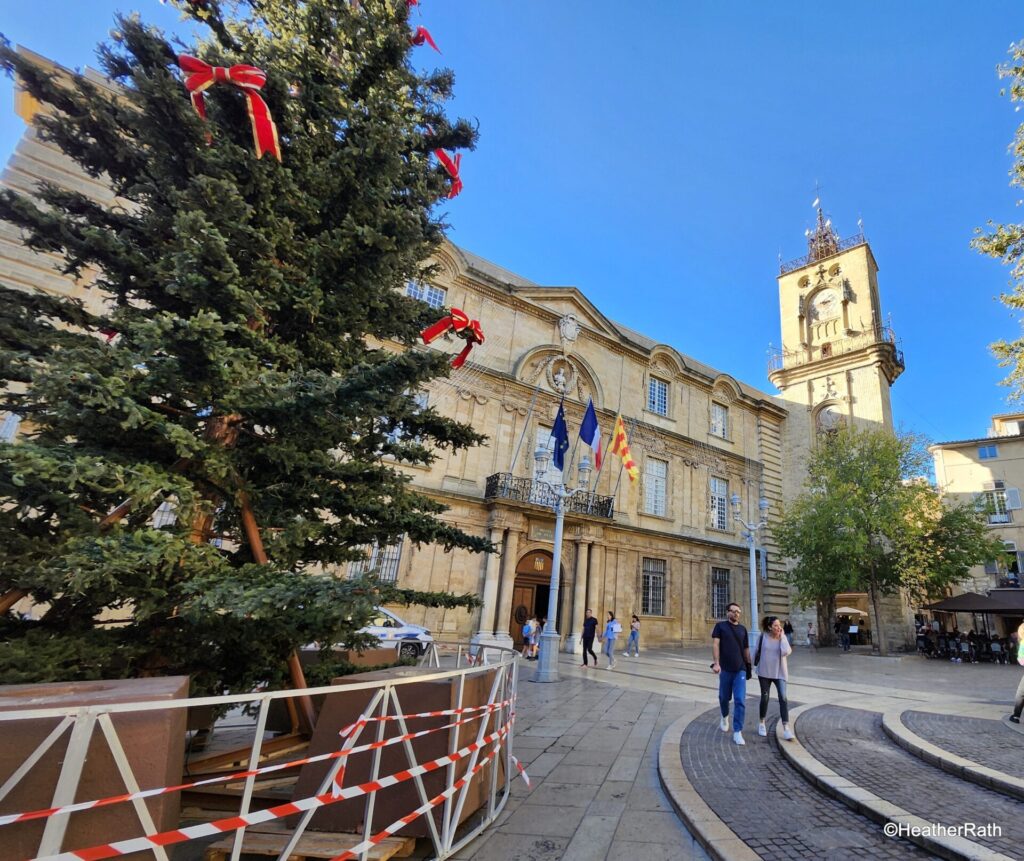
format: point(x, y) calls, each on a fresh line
point(590, 432)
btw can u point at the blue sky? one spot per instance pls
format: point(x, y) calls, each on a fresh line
point(660, 156)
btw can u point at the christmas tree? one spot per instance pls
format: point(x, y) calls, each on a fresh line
point(251, 371)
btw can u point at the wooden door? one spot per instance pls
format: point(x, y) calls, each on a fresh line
point(523, 599)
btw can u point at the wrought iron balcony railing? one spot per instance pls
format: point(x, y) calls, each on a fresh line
point(777, 359)
point(814, 257)
point(504, 485)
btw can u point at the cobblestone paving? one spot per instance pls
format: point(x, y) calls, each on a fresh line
point(771, 807)
point(986, 742)
point(851, 742)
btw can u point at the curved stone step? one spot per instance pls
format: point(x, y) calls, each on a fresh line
point(894, 723)
point(744, 803)
point(886, 764)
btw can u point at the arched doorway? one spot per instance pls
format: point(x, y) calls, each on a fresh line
point(531, 590)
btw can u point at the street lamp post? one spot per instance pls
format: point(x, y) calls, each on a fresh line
point(547, 664)
point(750, 534)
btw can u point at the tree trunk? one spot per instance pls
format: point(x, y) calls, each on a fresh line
point(827, 621)
point(875, 598)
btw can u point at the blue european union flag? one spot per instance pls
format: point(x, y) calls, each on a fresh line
point(560, 435)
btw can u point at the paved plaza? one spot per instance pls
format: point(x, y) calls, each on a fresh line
point(630, 763)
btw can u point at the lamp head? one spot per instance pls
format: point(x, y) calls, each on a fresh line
point(583, 472)
point(541, 458)
point(763, 505)
point(735, 500)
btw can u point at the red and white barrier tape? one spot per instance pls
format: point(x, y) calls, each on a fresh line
point(365, 719)
point(232, 823)
point(10, 818)
point(398, 824)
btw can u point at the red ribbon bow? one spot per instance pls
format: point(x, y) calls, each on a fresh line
point(250, 81)
point(422, 35)
point(452, 166)
point(458, 322)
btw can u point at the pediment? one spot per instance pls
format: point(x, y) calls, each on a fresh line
point(568, 300)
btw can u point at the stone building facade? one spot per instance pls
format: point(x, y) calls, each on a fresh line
point(667, 547)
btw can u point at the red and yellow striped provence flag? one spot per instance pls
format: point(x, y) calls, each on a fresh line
point(620, 446)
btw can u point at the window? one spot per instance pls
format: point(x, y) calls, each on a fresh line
point(719, 489)
point(720, 420)
point(987, 452)
point(398, 434)
point(655, 482)
point(999, 500)
point(657, 396)
point(434, 296)
point(383, 561)
point(652, 587)
point(719, 592)
point(9, 426)
point(164, 515)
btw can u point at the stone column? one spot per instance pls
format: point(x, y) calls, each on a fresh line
point(510, 557)
point(485, 633)
point(579, 597)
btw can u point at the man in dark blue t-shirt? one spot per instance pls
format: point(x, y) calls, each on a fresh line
point(589, 632)
point(731, 650)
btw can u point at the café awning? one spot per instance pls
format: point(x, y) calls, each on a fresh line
point(972, 602)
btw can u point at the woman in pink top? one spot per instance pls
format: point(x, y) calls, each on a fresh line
point(772, 651)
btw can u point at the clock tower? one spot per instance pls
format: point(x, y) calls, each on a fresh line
point(838, 359)
point(837, 362)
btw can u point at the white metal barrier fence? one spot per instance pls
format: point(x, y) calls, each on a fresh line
point(480, 756)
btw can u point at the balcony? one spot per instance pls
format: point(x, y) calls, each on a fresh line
point(881, 336)
point(815, 256)
point(504, 485)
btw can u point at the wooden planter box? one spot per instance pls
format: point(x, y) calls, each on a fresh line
point(341, 710)
point(153, 742)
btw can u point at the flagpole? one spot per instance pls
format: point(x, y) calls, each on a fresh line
point(526, 427)
point(615, 492)
point(610, 438)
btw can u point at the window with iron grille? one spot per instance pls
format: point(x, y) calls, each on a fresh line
point(719, 491)
point(434, 296)
point(652, 587)
point(657, 396)
point(9, 426)
point(383, 561)
point(719, 420)
point(655, 484)
point(719, 592)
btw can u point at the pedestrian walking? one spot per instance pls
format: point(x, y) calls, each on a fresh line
point(589, 632)
point(612, 629)
point(1018, 702)
point(812, 636)
point(537, 632)
point(787, 629)
point(770, 660)
point(633, 644)
point(527, 638)
point(731, 649)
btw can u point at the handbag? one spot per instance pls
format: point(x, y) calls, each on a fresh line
point(739, 642)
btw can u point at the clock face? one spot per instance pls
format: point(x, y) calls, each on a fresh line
point(826, 304)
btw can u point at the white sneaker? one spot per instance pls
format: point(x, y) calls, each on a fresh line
point(723, 724)
point(625, 654)
point(787, 734)
point(762, 729)
point(737, 737)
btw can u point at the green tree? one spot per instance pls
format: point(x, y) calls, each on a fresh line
point(261, 379)
point(1006, 241)
point(868, 522)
